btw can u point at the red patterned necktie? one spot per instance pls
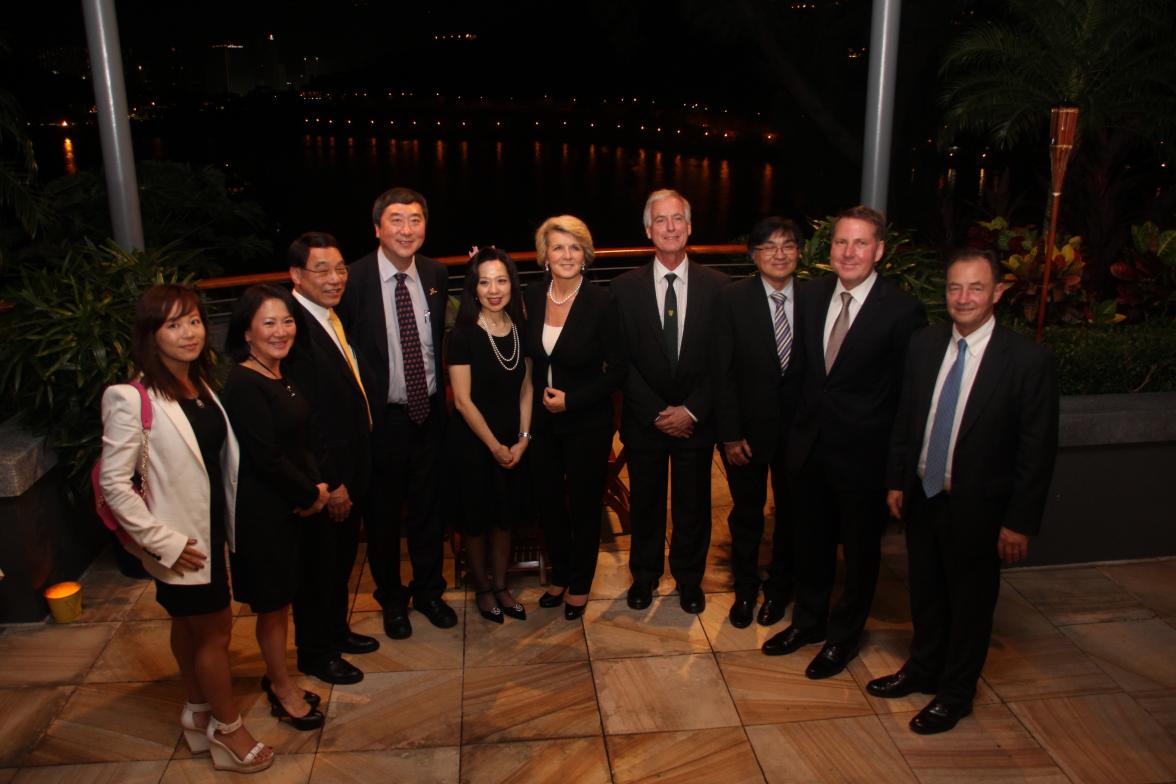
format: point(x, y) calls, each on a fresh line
point(410, 349)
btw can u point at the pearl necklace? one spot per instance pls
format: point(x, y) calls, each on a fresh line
point(575, 291)
point(508, 363)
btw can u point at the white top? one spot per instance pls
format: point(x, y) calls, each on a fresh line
point(550, 336)
point(857, 296)
point(397, 390)
point(659, 291)
point(977, 342)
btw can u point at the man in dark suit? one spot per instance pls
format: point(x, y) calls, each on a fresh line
point(756, 386)
point(969, 470)
point(394, 310)
point(325, 370)
point(665, 310)
point(855, 327)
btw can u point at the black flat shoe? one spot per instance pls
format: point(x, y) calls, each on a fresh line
point(549, 600)
point(640, 594)
point(334, 669)
point(516, 610)
point(310, 697)
point(900, 684)
point(494, 614)
point(832, 659)
point(573, 612)
point(396, 623)
point(771, 611)
point(791, 640)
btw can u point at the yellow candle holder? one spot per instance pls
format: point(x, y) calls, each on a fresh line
point(65, 601)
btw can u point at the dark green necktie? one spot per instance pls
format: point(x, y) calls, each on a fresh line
point(670, 319)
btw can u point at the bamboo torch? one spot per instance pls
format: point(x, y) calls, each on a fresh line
point(1063, 124)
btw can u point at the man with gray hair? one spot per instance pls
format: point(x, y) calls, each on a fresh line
point(664, 310)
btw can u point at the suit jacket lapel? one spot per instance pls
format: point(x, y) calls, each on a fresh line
point(649, 309)
point(571, 324)
point(327, 345)
point(375, 298)
point(815, 321)
point(693, 327)
point(988, 376)
point(763, 315)
point(928, 374)
point(867, 312)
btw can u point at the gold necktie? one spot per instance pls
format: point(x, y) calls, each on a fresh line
point(337, 325)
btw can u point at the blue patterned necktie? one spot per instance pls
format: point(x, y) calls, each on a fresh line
point(935, 469)
point(783, 331)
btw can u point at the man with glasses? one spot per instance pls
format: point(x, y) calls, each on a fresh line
point(394, 309)
point(756, 385)
point(326, 371)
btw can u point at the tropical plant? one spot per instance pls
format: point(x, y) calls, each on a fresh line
point(1146, 273)
point(917, 269)
point(18, 168)
point(66, 337)
point(1021, 250)
point(1110, 58)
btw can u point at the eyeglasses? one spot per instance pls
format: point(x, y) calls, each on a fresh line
point(772, 249)
point(322, 272)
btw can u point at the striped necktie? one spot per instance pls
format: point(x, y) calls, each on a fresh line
point(783, 331)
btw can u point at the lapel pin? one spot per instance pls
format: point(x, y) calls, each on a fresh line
point(432, 292)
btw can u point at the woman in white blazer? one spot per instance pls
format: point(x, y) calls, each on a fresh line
point(182, 524)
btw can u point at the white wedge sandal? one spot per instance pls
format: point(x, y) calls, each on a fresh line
point(223, 757)
point(196, 737)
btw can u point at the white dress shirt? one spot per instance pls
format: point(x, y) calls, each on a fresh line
point(977, 342)
point(397, 390)
point(320, 315)
point(659, 291)
point(857, 296)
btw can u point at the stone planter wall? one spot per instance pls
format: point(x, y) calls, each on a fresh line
point(1114, 486)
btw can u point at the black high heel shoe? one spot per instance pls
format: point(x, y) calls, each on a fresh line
point(494, 614)
point(516, 610)
point(310, 697)
point(549, 600)
point(311, 721)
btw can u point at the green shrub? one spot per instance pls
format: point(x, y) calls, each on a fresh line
point(67, 336)
point(1099, 359)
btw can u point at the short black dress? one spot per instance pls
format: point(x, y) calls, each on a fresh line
point(490, 496)
point(278, 474)
point(208, 423)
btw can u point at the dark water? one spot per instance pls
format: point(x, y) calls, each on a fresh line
point(485, 191)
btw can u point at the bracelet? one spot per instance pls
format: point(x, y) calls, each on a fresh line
point(526, 435)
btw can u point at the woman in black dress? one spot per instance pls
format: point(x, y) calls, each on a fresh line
point(280, 483)
point(572, 344)
point(491, 382)
point(180, 526)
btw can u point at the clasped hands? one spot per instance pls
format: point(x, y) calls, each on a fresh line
point(675, 421)
point(509, 456)
point(323, 496)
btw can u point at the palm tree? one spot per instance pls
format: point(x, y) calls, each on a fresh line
point(1110, 58)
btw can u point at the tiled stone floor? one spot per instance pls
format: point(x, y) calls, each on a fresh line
point(1080, 686)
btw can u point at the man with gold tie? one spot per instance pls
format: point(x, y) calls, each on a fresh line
point(325, 369)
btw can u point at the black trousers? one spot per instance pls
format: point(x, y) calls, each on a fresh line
point(322, 604)
point(749, 492)
point(649, 477)
point(408, 463)
point(569, 472)
point(955, 581)
point(313, 634)
point(825, 515)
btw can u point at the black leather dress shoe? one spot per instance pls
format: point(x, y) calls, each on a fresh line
point(358, 643)
point(831, 660)
point(437, 611)
point(742, 611)
point(900, 684)
point(640, 595)
point(396, 623)
point(771, 611)
point(939, 717)
point(333, 670)
point(791, 640)
point(692, 599)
